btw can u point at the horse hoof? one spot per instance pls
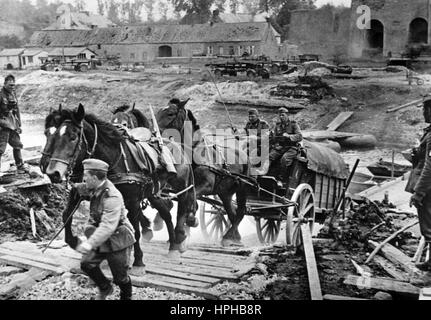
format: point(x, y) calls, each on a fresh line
point(138, 263)
point(147, 235)
point(174, 254)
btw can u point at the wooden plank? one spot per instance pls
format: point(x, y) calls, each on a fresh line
point(396, 256)
point(425, 294)
point(391, 269)
point(336, 298)
point(339, 120)
point(8, 270)
point(410, 104)
point(383, 284)
point(313, 274)
point(28, 264)
point(325, 135)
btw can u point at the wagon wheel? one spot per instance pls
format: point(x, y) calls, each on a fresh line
point(275, 69)
point(251, 74)
point(83, 68)
point(267, 230)
point(303, 212)
point(214, 222)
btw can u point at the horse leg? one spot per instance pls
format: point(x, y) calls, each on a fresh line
point(229, 237)
point(241, 199)
point(69, 238)
point(132, 201)
point(163, 208)
point(147, 233)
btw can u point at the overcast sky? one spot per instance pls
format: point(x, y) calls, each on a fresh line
point(92, 4)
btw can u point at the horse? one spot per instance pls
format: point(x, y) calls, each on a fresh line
point(129, 117)
point(79, 136)
point(211, 178)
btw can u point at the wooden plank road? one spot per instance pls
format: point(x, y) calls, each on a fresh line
point(196, 271)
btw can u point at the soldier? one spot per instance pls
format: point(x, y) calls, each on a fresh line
point(109, 234)
point(420, 182)
point(253, 130)
point(284, 139)
point(10, 123)
point(254, 122)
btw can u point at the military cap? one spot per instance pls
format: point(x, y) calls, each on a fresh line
point(9, 77)
point(283, 110)
point(95, 164)
point(253, 111)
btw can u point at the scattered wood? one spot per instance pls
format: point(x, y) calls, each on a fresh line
point(339, 120)
point(362, 270)
point(27, 264)
point(313, 274)
point(389, 239)
point(293, 107)
point(22, 282)
point(425, 294)
point(328, 135)
point(414, 103)
point(391, 269)
point(382, 284)
point(336, 298)
point(418, 255)
point(8, 270)
point(397, 257)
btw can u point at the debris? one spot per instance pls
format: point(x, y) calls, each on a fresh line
point(362, 270)
point(8, 270)
point(293, 107)
point(33, 222)
point(383, 284)
point(309, 87)
point(414, 103)
point(418, 255)
point(339, 120)
point(313, 275)
point(391, 269)
point(382, 296)
point(380, 246)
point(336, 298)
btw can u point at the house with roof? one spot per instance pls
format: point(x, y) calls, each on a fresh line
point(84, 20)
point(33, 58)
point(11, 58)
point(154, 42)
point(67, 54)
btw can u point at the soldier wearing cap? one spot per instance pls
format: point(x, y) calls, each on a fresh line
point(10, 123)
point(109, 234)
point(420, 182)
point(284, 139)
point(254, 122)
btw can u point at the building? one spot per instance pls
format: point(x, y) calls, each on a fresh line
point(11, 58)
point(134, 44)
point(68, 20)
point(33, 58)
point(71, 53)
point(391, 32)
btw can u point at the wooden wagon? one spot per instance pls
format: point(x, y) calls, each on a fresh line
point(315, 184)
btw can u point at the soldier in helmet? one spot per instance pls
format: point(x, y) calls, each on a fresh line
point(285, 140)
point(420, 182)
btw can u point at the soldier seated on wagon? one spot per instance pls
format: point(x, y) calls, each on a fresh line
point(285, 144)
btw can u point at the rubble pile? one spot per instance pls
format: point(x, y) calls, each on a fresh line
point(309, 87)
point(47, 204)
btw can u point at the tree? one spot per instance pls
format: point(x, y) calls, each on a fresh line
point(149, 8)
point(197, 11)
point(80, 5)
point(100, 7)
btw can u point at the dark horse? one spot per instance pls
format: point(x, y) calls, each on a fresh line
point(77, 136)
point(129, 117)
point(212, 177)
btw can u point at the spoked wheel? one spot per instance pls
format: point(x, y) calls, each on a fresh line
point(267, 230)
point(303, 212)
point(214, 222)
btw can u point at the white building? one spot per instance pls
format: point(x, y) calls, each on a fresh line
point(11, 58)
point(33, 58)
point(71, 53)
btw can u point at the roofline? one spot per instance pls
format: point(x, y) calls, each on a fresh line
point(156, 43)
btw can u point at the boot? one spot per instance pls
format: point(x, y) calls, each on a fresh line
point(21, 167)
point(425, 266)
point(103, 284)
point(126, 290)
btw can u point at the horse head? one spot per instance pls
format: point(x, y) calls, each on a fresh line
point(173, 115)
point(64, 139)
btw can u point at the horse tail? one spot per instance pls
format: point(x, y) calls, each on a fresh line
point(142, 120)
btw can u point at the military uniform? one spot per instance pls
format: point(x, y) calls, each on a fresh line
point(109, 233)
point(420, 182)
point(258, 125)
point(283, 147)
point(10, 125)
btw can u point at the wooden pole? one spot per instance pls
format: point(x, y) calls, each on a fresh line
point(377, 249)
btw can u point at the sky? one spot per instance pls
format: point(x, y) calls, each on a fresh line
point(92, 4)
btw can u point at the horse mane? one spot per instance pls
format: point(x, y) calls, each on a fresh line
point(193, 119)
point(142, 120)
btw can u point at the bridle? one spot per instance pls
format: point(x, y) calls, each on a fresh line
point(78, 147)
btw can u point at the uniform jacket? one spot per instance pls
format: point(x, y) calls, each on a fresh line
point(10, 117)
point(109, 228)
point(292, 129)
point(259, 125)
point(420, 178)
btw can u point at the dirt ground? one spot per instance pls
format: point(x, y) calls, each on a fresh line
point(284, 275)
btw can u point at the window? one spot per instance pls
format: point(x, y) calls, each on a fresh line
point(23, 60)
point(81, 56)
point(231, 50)
point(240, 48)
point(30, 59)
point(132, 56)
point(221, 50)
point(210, 50)
point(179, 52)
point(99, 46)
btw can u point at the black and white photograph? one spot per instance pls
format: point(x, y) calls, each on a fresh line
point(216, 155)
